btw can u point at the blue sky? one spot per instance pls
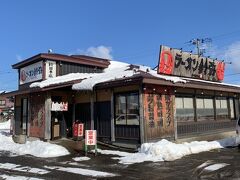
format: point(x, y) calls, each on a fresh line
point(131, 31)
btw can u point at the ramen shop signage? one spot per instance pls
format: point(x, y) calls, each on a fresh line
point(184, 64)
point(31, 73)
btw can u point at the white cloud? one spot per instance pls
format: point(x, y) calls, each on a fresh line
point(229, 53)
point(99, 51)
point(19, 58)
point(232, 54)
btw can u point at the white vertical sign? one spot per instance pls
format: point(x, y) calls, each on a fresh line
point(90, 137)
point(50, 69)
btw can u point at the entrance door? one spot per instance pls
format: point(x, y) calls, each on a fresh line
point(68, 123)
point(24, 115)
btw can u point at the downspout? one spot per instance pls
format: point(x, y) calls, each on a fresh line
point(92, 108)
point(141, 115)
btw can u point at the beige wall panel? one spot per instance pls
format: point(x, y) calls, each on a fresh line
point(127, 88)
point(104, 95)
point(82, 97)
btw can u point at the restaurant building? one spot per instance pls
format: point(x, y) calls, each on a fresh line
point(125, 103)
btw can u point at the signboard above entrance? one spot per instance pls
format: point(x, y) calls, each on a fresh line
point(184, 64)
point(31, 73)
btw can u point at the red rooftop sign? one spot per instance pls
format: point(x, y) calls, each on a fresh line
point(184, 64)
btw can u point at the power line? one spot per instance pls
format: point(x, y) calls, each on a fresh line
point(225, 34)
point(232, 74)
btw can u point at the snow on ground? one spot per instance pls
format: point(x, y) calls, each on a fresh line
point(7, 177)
point(168, 151)
point(110, 152)
point(81, 171)
point(28, 169)
point(5, 125)
point(81, 158)
point(207, 163)
point(215, 167)
point(36, 148)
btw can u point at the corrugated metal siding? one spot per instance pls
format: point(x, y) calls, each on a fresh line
point(127, 132)
point(83, 114)
point(66, 68)
point(185, 129)
point(103, 119)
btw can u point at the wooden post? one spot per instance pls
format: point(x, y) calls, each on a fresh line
point(29, 115)
point(73, 109)
point(141, 118)
point(92, 110)
point(48, 102)
point(236, 107)
point(228, 107)
point(112, 117)
point(214, 106)
point(195, 105)
point(174, 118)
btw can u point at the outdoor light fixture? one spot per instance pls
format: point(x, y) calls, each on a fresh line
point(154, 89)
point(144, 89)
point(202, 92)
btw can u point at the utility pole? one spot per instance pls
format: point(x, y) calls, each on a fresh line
point(198, 43)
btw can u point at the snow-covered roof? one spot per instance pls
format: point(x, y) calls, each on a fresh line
point(211, 82)
point(115, 71)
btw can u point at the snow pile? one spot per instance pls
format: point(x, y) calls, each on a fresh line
point(168, 151)
point(36, 148)
point(5, 125)
point(116, 70)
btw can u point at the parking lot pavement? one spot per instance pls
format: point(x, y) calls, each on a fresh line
point(217, 164)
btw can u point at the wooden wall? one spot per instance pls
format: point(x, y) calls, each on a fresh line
point(158, 104)
point(37, 115)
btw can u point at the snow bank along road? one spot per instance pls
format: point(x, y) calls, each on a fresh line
point(47, 160)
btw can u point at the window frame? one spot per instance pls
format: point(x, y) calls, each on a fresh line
point(126, 114)
point(205, 118)
point(190, 119)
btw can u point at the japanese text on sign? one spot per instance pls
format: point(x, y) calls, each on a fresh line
point(62, 106)
point(176, 62)
point(78, 130)
point(90, 137)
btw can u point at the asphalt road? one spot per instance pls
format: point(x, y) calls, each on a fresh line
point(185, 168)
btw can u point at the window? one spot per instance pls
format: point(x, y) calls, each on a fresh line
point(205, 109)
point(221, 108)
point(2, 102)
point(127, 109)
point(184, 109)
